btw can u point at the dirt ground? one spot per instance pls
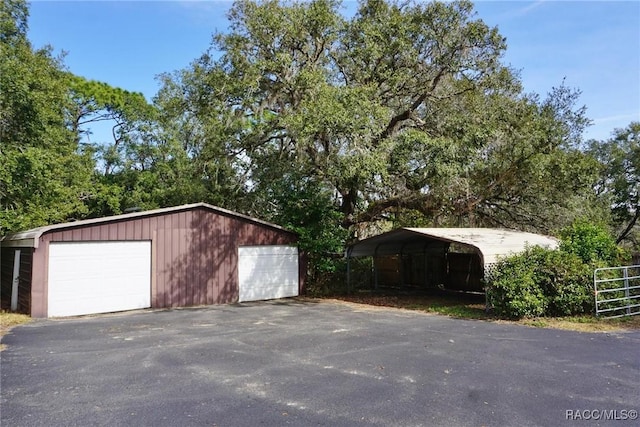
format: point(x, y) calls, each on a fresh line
point(473, 307)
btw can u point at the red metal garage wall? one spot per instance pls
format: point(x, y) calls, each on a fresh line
point(194, 254)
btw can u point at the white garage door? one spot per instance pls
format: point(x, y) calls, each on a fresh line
point(267, 272)
point(98, 277)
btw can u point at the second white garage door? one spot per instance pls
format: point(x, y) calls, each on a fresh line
point(267, 272)
point(98, 277)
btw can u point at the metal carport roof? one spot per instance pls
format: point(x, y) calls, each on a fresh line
point(491, 243)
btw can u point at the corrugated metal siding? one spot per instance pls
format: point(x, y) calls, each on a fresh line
point(465, 272)
point(24, 282)
point(194, 253)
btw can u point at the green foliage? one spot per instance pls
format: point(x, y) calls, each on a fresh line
point(541, 282)
point(47, 172)
point(544, 282)
point(95, 101)
point(401, 107)
point(619, 185)
point(592, 243)
point(305, 207)
point(13, 20)
point(402, 113)
point(565, 281)
point(513, 291)
point(44, 177)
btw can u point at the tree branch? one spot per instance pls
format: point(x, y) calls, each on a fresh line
point(629, 227)
point(395, 121)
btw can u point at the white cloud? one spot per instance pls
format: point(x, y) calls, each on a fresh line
point(617, 118)
point(525, 10)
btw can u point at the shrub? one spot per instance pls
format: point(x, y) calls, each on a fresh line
point(544, 282)
point(540, 282)
point(565, 281)
point(513, 291)
point(591, 242)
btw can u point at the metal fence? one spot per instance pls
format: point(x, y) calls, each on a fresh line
point(617, 291)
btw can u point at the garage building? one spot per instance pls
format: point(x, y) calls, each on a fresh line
point(436, 258)
point(181, 256)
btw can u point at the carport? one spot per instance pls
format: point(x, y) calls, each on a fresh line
point(438, 258)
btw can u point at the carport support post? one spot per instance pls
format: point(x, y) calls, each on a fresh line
point(375, 273)
point(375, 269)
point(486, 284)
point(16, 280)
point(348, 271)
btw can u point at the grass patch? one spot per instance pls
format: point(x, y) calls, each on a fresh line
point(463, 306)
point(587, 323)
point(9, 320)
point(536, 323)
point(471, 311)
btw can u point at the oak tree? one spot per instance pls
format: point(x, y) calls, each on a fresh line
point(399, 108)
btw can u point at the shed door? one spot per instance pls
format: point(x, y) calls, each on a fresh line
point(98, 277)
point(267, 272)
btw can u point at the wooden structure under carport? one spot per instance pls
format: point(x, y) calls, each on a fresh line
point(181, 256)
point(446, 258)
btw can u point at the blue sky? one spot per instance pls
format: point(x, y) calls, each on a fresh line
point(593, 45)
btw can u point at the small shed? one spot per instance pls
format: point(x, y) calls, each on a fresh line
point(181, 256)
point(450, 258)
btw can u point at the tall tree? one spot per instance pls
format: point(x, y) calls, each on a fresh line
point(619, 157)
point(124, 160)
point(401, 108)
point(95, 102)
point(43, 176)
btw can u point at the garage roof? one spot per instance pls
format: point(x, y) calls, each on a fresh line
point(490, 242)
point(30, 238)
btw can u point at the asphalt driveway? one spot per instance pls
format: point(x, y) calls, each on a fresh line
point(305, 363)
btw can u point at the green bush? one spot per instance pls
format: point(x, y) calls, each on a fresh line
point(513, 291)
point(545, 282)
point(565, 281)
point(541, 282)
point(591, 242)
point(515, 296)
